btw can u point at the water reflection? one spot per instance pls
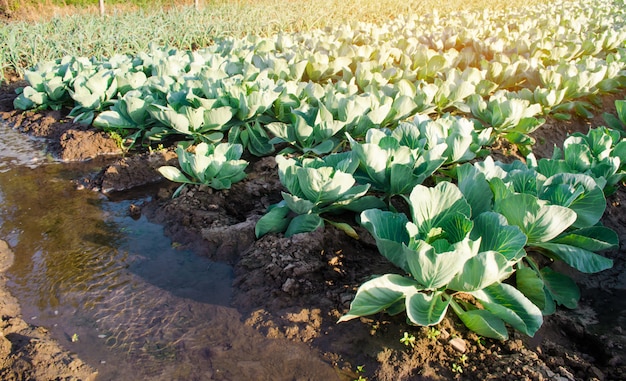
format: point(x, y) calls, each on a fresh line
point(18, 151)
point(45, 222)
point(83, 266)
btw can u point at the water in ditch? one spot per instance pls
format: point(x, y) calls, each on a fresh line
point(116, 291)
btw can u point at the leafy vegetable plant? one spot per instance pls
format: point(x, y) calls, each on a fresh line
point(617, 122)
point(447, 254)
point(128, 116)
point(511, 118)
point(463, 141)
point(395, 162)
point(217, 166)
point(559, 216)
point(315, 186)
point(467, 240)
point(458, 85)
point(252, 136)
point(311, 129)
point(187, 114)
point(49, 83)
point(92, 92)
point(601, 154)
point(548, 98)
point(307, 90)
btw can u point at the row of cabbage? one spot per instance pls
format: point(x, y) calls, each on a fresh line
point(365, 114)
point(480, 224)
point(503, 69)
point(469, 236)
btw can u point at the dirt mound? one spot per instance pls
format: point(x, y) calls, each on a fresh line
point(67, 141)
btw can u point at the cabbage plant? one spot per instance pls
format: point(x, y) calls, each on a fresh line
point(511, 118)
point(251, 99)
point(468, 239)
point(36, 95)
point(321, 66)
point(217, 166)
point(252, 136)
point(50, 93)
point(347, 105)
point(448, 253)
point(618, 122)
point(581, 80)
point(49, 83)
point(184, 113)
point(601, 154)
point(457, 86)
point(311, 130)
point(559, 216)
point(130, 80)
point(505, 72)
point(548, 98)
point(395, 162)
point(316, 186)
point(463, 141)
point(128, 116)
point(92, 92)
point(429, 63)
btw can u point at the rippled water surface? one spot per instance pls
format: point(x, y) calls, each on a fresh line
point(118, 292)
point(15, 150)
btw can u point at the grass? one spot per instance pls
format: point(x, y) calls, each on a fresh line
point(80, 30)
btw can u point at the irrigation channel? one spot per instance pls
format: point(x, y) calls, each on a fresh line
point(116, 291)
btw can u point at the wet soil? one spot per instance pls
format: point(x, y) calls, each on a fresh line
point(296, 288)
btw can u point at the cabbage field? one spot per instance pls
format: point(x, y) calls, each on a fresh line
point(395, 122)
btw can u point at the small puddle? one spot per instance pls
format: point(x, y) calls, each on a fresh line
point(117, 292)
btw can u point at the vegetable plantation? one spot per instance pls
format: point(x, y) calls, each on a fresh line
point(376, 119)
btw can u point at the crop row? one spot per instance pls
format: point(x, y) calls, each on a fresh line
point(503, 69)
point(165, 22)
point(367, 114)
point(497, 220)
point(462, 239)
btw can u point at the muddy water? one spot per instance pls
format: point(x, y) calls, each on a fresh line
point(119, 293)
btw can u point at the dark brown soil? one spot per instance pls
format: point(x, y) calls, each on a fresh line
point(298, 287)
point(67, 141)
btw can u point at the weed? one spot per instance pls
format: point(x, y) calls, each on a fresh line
point(158, 148)
point(433, 333)
point(359, 370)
point(480, 341)
point(456, 368)
point(408, 339)
point(463, 359)
point(119, 140)
point(374, 328)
